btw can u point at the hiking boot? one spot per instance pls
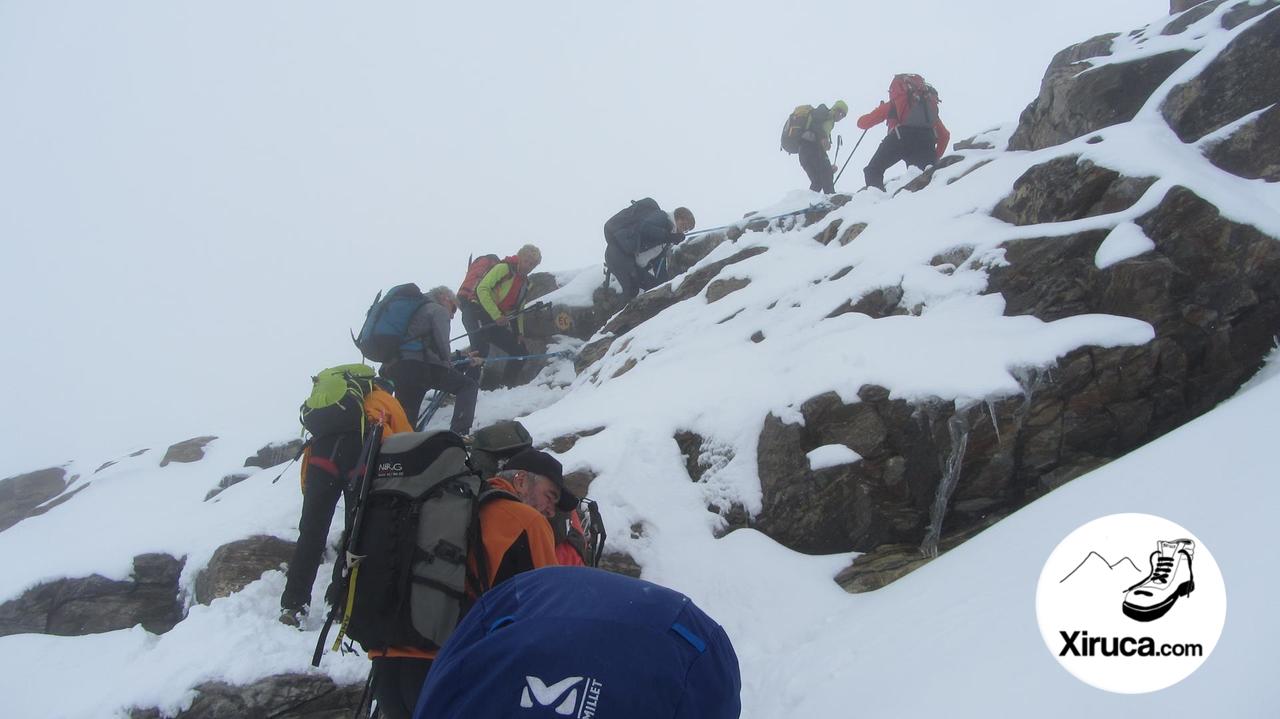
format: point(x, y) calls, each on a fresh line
point(1169, 579)
point(293, 617)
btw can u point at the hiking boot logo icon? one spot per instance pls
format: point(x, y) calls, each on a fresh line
point(1170, 577)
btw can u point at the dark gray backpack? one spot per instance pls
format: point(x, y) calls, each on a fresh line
point(419, 520)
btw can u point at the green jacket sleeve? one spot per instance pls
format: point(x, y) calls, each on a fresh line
point(486, 291)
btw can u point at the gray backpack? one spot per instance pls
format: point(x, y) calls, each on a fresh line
point(419, 519)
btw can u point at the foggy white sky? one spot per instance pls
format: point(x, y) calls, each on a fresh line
point(199, 199)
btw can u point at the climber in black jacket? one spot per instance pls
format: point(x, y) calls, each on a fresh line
point(636, 236)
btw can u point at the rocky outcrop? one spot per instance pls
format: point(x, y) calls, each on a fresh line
point(1197, 12)
point(90, 605)
point(1253, 150)
point(274, 454)
point(592, 353)
point(876, 304)
point(1210, 290)
point(1240, 80)
point(1243, 12)
point(228, 481)
point(186, 451)
point(649, 304)
point(719, 289)
point(1066, 188)
point(1073, 103)
point(620, 563)
point(237, 564)
point(22, 494)
point(283, 696)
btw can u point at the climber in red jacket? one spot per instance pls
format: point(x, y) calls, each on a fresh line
point(916, 133)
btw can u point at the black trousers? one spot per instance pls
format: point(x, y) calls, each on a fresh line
point(319, 498)
point(916, 145)
point(414, 377)
point(485, 333)
point(633, 278)
point(397, 681)
point(816, 165)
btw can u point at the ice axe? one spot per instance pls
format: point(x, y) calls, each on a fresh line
point(839, 142)
point(850, 157)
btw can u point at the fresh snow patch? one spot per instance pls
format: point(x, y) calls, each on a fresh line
point(832, 455)
point(1127, 240)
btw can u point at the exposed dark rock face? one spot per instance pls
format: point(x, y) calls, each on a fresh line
point(1177, 6)
point(592, 353)
point(1073, 103)
point(566, 442)
point(274, 454)
point(1240, 80)
point(694, 250)
point(851, 233)
point(1211, 291)
point(719, 289)
point(972, 143)
point(878, 303)
point(579, 482)
point(649, 304)
point(540, 284)
point(283, 696)
point(186, 451)
point(923, 179)
point(1066, 189)
point(828, 233)
point(1245, 12)
point(620, 563)
point(21, 494)
point(237, 564)
point(73, 607)
point(1196, 14)
point(227, 481)
point(1253, 151)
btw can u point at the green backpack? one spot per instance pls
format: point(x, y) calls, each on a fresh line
point(336, 403)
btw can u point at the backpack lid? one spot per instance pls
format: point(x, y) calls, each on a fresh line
point(653, 653)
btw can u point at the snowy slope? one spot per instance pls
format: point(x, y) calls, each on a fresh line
point(958, 634)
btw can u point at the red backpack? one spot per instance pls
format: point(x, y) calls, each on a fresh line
point(915, 102)
point(476, 270)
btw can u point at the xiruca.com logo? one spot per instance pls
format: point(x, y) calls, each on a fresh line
point(1131, 603)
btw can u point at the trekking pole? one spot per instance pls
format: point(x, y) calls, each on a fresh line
point(512, 316)
point(850, 157)
point(434, 406)
point(368, 455)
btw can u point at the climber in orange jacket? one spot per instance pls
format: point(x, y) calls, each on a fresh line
point(517, 537)
point(916, 133)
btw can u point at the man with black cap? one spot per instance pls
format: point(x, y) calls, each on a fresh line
point(516, 537)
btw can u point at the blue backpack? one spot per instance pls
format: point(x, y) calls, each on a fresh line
point(574, 643)
point(386, 324)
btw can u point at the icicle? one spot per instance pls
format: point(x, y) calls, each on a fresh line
point(958, 428)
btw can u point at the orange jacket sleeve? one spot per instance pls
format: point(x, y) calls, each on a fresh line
point(875, 117)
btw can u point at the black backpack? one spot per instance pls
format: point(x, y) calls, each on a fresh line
point(417, 524)
point(620, 229)
point(386, 325)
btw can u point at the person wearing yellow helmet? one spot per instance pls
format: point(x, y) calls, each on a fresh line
point(815, 142)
